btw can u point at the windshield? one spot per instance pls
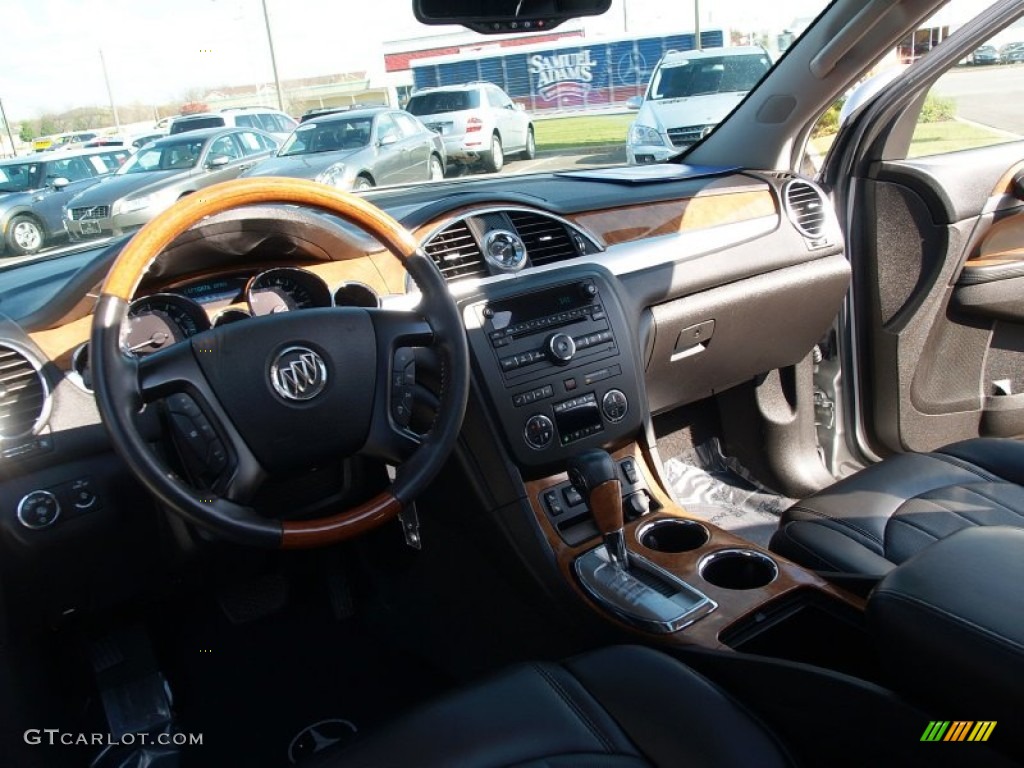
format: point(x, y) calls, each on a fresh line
point(711, 74)
point(332, 136)
point(442, 101)
point(178, 155)
point(598, 91)
point(19, 177)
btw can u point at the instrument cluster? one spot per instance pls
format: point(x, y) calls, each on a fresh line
point(162, 319)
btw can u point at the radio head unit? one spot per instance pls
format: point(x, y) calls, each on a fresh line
point(556, 356)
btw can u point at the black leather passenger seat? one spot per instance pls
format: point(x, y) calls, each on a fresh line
point(871, 522)
point(619, 707)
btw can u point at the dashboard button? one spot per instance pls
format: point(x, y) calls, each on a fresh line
point(614, 405)
point(38, 509)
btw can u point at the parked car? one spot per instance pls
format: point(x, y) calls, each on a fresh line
point(271, 121)
point(33, 191)
point(359, 149)
point(688, 95)
point(74, 140)
point(986, 54)
point(160, 173)
point(1011, 53)
point(141, 141)
point(479, 123)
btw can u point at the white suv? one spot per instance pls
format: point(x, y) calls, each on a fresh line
point(272, 121)
point(478, 122)
point(689, 94)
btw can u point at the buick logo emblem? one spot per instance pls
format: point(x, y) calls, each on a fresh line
point(298, 373)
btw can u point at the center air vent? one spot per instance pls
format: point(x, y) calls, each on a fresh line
point(456, 252)
point(546, 239)
point(805, 205)
point(23, 394)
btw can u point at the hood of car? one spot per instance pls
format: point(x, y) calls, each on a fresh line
point(691, 110)
point(116, 187)
point(302, 166)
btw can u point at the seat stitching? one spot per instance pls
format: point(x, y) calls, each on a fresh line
point(577, 710)
point(968, 467)
point(841, 522)
point(939, 506)
point(915, 526)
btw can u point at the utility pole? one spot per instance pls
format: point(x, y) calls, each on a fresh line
point(110, 93)
point(3, 114)
point(273, 58)
point(696, 25)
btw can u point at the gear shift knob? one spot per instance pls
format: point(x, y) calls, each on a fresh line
point(594, 475)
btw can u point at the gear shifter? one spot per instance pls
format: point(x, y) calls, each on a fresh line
point(595, 476)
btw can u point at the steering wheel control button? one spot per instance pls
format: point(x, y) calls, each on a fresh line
point(614, 405)
point(298, 374)
point(38, 510)
point(202, 450)
point(560, 348)
point(539, 432)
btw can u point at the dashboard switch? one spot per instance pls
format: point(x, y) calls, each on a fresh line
point(38, 509)
point(614, 405)
point(560, 348)
point(539, 431)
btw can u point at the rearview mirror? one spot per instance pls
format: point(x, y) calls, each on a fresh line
point(59, 183)
point(218, 161)
point(506, 15)
point(634, 102)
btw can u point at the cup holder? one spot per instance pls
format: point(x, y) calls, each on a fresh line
point(673, 535)
point(738, 569)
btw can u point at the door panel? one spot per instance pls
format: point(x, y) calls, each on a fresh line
point(938, 282)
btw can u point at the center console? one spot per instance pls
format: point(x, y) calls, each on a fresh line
point(557, 361)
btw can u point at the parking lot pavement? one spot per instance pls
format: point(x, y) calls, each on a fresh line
point(990, 95)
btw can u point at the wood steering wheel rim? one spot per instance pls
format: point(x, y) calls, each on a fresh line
point(119, 397)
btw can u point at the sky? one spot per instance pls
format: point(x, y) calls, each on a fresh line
point(157, 50)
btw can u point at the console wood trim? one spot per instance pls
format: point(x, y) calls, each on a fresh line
point(733, 605)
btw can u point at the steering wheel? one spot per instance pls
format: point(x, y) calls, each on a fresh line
point(283, 391)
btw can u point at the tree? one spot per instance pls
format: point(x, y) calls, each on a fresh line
point(26, 132)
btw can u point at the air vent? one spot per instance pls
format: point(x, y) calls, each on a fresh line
point(456, 253)
point(806, 208)
point(546, 239)
point(23, 394)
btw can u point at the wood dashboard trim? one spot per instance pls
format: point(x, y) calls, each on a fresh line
point(638, 222)
point(733, 605)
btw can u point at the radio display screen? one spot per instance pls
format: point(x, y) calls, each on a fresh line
point(577, 418)
point(552, 301)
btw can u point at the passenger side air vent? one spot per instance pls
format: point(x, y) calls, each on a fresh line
point(805, 206)
point(23, 394)
point(456, 252)
point(546, 239)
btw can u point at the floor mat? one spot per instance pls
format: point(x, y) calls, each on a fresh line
point(716, 488)
point(257, 689)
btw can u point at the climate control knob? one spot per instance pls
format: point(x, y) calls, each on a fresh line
point(614, 405)
point(539, 431)
point(560, 348)
point(38, 509)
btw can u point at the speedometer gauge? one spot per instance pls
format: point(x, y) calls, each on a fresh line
point(157, 321)
point(285, 289)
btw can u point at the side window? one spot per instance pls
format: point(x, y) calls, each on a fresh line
point(386, 127)
point(246, 121)
point(251, 143)
point(72, 169)
point(961, 111)
point(407, 124)
point(497, 99)
point(225, 145)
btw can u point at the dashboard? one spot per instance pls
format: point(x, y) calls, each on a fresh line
point(591, 301)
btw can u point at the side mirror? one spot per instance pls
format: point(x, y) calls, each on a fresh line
point(634, 102)
point(387, 141)
point(59, 183)
point(217, 161)
point(518, 107)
